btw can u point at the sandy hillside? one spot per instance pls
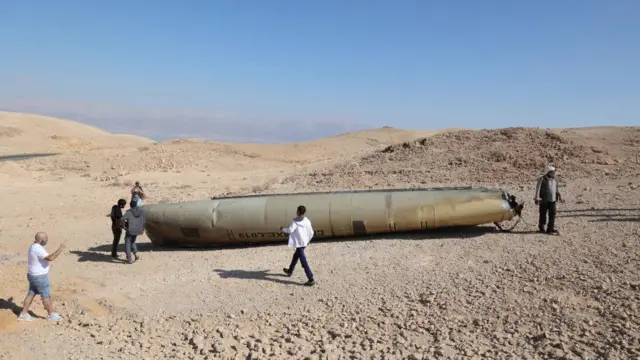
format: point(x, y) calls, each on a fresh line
point(27, 133)
point(503, 156)
point(215, 156)
point(107, 160)
point(463, 294)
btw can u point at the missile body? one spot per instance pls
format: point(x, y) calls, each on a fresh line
point(258, 218)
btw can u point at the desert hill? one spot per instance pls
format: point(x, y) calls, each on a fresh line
point(306, 152)
point(87, 149)
point(379, 136)
point(501, 156)
point(382, 157)
point(26, 133)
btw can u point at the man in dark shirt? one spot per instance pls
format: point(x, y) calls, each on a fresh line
point(116, 215)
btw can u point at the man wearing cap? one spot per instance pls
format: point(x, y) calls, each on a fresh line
point(546, 195)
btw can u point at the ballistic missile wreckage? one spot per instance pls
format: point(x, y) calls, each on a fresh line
point(258, 218)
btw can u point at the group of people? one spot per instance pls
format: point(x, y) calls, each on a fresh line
point(300, 234)
point(132, 221)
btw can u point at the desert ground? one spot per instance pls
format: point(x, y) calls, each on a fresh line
point(454, 294)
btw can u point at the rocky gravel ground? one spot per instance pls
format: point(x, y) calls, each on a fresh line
point(462, 294)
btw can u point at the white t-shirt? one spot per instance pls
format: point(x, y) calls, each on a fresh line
point(37, 264)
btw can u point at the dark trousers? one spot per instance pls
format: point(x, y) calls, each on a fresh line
point(299, 255)
point(117, 233)
point(547, 207)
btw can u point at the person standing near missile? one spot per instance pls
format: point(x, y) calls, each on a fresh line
point(300, 234)
point(116, 215)
point(132, 222)
point(137, 194)
point(546, 195)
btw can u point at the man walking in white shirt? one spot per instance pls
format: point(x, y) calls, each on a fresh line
point(300, 233)
point(38, 276)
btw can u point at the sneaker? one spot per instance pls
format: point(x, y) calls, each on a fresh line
point(553, 232)
point(136, 257)
point(310, 283)
point(286, 271)
point(55, 317)
point(25, 317)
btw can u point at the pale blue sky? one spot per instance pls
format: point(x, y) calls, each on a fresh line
point(212, 68)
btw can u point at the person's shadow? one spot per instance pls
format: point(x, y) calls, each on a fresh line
point(96, 256)
point(257, 275)
point(9, 304)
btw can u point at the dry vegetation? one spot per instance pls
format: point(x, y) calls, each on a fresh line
point(476, 294)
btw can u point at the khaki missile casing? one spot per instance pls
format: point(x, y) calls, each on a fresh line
point(258, 218)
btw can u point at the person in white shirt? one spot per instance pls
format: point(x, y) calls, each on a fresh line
point(38, 275)
point(300, 234)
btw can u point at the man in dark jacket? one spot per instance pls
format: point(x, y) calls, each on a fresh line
point(133, 222)
point(116, 215)
point(546, 195)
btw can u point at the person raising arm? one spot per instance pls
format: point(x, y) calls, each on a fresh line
point(38, 261)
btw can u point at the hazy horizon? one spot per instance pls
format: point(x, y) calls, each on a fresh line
point(293, 71)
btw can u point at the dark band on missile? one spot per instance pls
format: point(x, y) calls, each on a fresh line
point(359, 228)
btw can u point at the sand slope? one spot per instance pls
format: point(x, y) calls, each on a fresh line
point(214, 157)
point(502, 156)
point(332, 148)
point(26, 133)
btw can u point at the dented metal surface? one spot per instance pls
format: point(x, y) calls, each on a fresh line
point(258, 218)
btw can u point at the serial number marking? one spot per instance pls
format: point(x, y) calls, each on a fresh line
point(273, 234)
